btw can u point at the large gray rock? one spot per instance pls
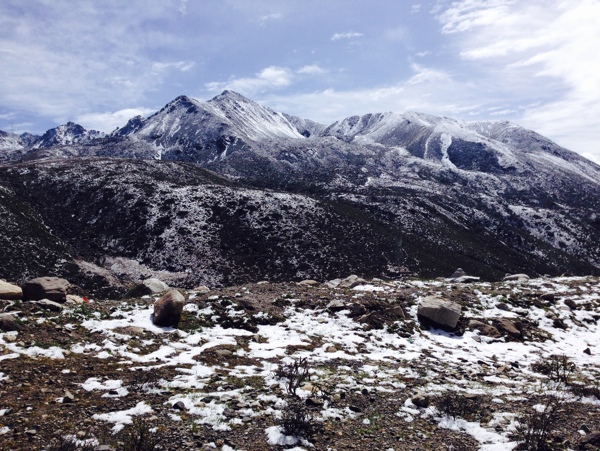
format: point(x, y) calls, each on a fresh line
point(149, 286)
point(51, 288)
point(167, 310)
point(9, 291)
point(440, 311)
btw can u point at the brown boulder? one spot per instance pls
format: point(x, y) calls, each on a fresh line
point(484, 329)
point(51, 288)
point(508, 327)
point(9, 323)
point(167, 310)
point(440, 311)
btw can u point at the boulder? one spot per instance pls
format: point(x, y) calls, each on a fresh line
point(202, 289)
point(508, 327)
point(9, 323)
point(52, 306)
point(466, 279)
point(440, 311)
point(9, 291)
point(484, 329)
point(148, 286)
point(351, 281)
point(458, 273)
point(51, 288)
point(592, 439)
point(516, 278)
point(74, 299)
point(167, 310)
point(308, 283)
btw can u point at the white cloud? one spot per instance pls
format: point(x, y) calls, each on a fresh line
point(347, 35)
point(535, 44)
point(183, 66)
point(107, 122)
point(272, 77)
point(270, 17)
point(311, 69)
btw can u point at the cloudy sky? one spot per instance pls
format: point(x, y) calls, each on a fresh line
point(100, 62)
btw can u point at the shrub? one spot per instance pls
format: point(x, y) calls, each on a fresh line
point(296, 373)
point(297, 418)
point(458, 405)
point(138, 437)
point(558, 368)
point(534, 428)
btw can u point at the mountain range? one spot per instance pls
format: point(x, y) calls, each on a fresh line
point(228, 190)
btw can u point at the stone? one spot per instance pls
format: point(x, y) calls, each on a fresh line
point(314, 402)
point(458, 273)
point(49, 305)
point(421, 400)
point(8, 323)
point(351, 281)
point(466, 279)
point(592, 438)
point(74, 299)
point(508, 327)
point(154, 285)
point(516, 278)
point(167, 310)
point(335, 306)
point(570, 303)
point(440, 311)
point(330, 349)
point(333, 283)
point(502, 306)
point(484, 329)
point(51, 288)
point(179, 405)
point(308, 283)
point(223, 353)
point(10, 292)
point(203, 289)
point(587, 351)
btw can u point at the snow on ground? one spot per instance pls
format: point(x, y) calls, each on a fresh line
point(383, 356)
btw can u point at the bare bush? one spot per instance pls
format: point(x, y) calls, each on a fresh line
point(297, 418)
point(296, 373)
point(558, 368)
point(534, 428)
point(456, 405)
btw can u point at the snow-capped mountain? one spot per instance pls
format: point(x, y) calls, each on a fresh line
point(491, 197)
point(66, 134)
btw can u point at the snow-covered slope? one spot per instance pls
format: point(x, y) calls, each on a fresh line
point(66, 134)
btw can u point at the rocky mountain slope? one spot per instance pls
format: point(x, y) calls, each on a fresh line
point(490, 197)
point(132, 217)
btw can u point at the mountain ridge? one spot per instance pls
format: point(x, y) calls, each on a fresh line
point(491, 197)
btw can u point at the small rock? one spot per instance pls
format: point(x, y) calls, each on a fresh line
point(330, 348)
point(202, 289)
point(466, 279)
point(355, 408)
point(333, 283)
point(503, 306)
point(308, 283)
point(314, 402)
point(592, 438)
point(31, 432)
point(548, 297)
point(8, 323)
point(74, 299)
point(570, 303)
point(335, 306)
point(421, 400)
point(49, 305)
point(587, 351)
point(69, 398)
point(516, 278)
point(223, 353)
point(458, 273)
point(179, 405)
